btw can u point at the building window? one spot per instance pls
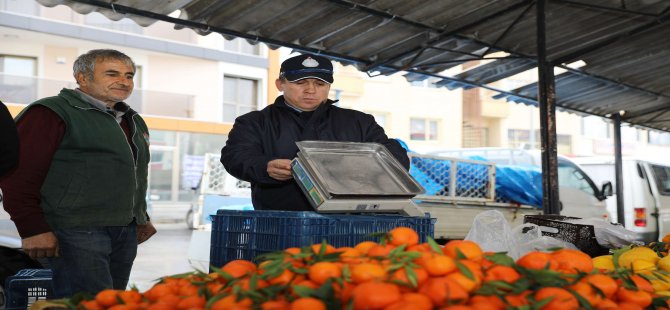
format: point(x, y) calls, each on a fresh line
point(380, 118)
point(18, 65)
point(17, 79)
point(563, 143)
point(240, 45)
point(659, 138)
point(240, 96)
point(177, 163)
point(630, 134)
point(520, 138)
point(422, 129)
point(595, 127)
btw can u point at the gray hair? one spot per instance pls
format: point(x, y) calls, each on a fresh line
point(85, 63)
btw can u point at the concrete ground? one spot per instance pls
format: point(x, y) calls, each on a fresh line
point(166, 252)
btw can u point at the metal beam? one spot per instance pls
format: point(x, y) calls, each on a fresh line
point(428, 65)
point(618, 168)
point(547, 100)
point(373, 12)
point(443, 34)
point(661, 110)
point(509, 27)
point(608, 8)
point(468, 83)
point(597, 77)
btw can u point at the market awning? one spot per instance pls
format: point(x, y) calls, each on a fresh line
point(623, 43)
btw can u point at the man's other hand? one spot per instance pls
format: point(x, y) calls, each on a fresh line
point(42, 245)
point(280, 169)
point(144, 232)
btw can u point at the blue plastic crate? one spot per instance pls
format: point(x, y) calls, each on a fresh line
point(26, 287)
point(247, 234)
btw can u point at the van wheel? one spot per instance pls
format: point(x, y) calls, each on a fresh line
point(189, 219)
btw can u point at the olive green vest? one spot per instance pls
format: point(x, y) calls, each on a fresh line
point(94, 179)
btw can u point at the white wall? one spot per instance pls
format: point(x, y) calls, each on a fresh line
point(400, 101)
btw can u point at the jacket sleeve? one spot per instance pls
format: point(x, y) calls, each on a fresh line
point(9, 148)
point(375, 133)
point(243, 155)
point(40, 132)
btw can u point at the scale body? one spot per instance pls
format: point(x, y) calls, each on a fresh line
point(351, 177)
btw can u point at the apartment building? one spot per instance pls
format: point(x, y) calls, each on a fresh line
point(190, 88)
point(496, 123)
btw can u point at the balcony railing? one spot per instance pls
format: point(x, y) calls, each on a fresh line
point(25, 90)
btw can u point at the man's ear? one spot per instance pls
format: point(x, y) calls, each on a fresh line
point(279, 85)
point(81, 78)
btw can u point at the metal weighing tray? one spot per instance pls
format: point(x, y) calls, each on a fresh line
point(354, 177)
point(352, 169)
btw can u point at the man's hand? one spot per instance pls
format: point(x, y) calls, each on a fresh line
point(280, 169)
point(144, 232)
point(42, 245)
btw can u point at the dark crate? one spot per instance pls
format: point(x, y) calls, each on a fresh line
point(247, 234)
point(26, 287)
point(582, 236)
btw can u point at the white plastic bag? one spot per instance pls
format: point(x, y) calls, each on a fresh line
point(493, 233)
point(607, 234)
point(528, 237)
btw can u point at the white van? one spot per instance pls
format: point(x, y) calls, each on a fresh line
point(646, 193)
point(579, 195)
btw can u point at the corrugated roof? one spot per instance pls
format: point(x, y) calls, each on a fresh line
point(623, 42)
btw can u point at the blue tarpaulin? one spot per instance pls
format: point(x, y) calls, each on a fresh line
point(519, 184)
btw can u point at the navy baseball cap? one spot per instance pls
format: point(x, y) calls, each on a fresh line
point(307, 66)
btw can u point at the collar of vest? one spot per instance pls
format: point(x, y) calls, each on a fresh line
point(73, 99)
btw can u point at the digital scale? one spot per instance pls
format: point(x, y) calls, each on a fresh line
point(352, 177)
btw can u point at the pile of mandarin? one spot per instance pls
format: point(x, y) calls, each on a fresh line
point(397, 273)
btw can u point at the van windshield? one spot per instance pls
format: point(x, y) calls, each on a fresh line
point(571, 176)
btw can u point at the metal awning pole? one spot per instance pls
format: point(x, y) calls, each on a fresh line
point(547, 102)
point(618, 167)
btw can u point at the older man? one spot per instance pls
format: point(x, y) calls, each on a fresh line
point(77, 194)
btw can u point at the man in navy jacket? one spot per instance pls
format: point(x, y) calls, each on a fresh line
point(261, 144)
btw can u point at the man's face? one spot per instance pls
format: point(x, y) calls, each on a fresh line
point(305, 94)
point(112, 81)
